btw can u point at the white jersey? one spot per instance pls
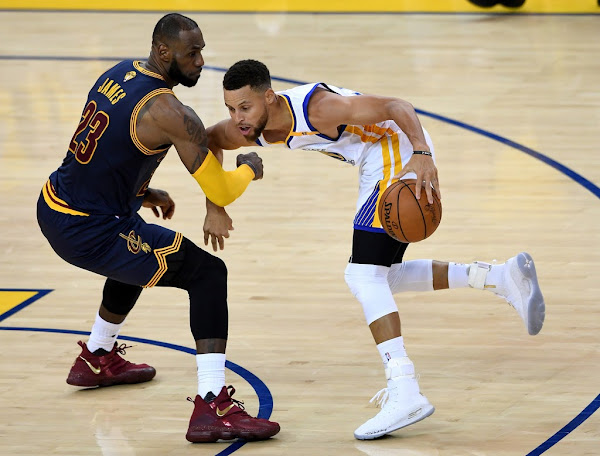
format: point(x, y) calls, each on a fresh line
point(380, 150)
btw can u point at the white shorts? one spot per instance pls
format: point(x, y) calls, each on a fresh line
point(382, 161)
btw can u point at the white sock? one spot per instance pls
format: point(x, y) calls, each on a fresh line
point(211, 373)
point(393, 348)
point(458, 275)
point(104, 334)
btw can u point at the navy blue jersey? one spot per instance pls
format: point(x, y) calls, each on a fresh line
point(107, 169)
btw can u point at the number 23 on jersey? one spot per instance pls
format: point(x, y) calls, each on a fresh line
point(90, 129)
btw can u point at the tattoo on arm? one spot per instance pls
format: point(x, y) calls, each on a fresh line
point(195, 129)
point(197, 134)
point(197, 162)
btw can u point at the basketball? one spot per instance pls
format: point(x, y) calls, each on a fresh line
point(405, 218)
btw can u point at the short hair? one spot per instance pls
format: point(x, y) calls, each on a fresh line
point(247, 72)
point(169, 26)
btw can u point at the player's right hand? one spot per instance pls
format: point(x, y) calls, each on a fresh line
point(254, 161)
point(217, 225)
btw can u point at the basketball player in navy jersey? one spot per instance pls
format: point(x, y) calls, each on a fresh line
point(384, 138)
point(88, 211)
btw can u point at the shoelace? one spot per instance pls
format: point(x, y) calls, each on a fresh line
point(121, 349)
point(115, 360)
point(240, 404)
point(380, 398)
point(231, 389)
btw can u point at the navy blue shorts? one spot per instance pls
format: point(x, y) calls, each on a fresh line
point(126, 249)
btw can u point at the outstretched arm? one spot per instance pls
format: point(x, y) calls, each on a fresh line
point(217, 222)
point(225, 136)
point(328, 110)
point(180, 126)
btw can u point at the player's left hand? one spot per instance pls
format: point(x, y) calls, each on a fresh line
point(217, 225)
point(426, 171)
point(155, 198)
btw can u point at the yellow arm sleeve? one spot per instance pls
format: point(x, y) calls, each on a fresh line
point(220, 186)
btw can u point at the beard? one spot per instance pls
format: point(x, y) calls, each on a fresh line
point(177, 75)
point(262, 123)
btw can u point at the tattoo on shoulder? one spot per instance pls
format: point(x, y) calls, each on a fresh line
point(195, 128)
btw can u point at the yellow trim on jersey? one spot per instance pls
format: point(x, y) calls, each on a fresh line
point(161, 255)
point(364, 137)
point(55, 203)
point(133, 122)
point(397, 157)
point(303, 133)
point(138, 66)
point(287, 103)
point(376, 129)
point(387, 168)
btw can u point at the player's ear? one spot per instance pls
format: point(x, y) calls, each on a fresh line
point(270, 96)
point(164, 52)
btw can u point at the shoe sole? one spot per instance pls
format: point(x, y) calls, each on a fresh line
point(208, 436)
point(86, 382)
point(213, 436)
point(428, 410)
point(536, 308)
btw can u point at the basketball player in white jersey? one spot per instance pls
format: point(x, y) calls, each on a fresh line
point(384, 138)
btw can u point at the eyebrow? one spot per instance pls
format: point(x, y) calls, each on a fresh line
point(196, 46)
point(238, 104)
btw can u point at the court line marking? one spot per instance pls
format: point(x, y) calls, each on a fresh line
point(262, 391)
point(527, 150)
point(578, 178)
point(547, 160)
point(40, 294)
point(265, 398)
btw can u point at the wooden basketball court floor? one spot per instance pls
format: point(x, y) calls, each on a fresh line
point(513, 107)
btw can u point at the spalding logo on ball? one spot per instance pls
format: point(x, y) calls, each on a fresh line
point(405, 218)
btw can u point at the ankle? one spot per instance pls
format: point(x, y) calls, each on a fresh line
point(400, 368)
point(100, 352)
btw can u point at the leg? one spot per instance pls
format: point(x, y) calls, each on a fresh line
point(515, 281)
point(367, 277)
point(117, 301)
point(204, 277)
point(100, 363)
point(216, 415)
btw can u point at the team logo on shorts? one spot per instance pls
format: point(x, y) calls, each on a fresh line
point(135, 244)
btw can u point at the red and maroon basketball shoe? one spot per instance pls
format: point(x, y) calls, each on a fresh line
point(110, 369)
point(224, 418)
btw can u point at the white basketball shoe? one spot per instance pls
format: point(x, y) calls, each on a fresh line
point(518, 285)
point(401, 403)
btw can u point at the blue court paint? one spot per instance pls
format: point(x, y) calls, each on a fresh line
point(24, 304)
point(547, 160)
point(584, 415)
point(265, 398)
point(578, 178)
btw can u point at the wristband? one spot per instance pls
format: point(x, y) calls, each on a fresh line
point(422, 152)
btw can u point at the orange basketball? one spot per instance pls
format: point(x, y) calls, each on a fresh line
point(405, 218)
